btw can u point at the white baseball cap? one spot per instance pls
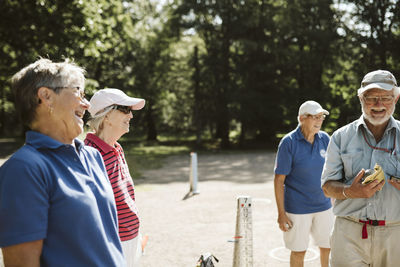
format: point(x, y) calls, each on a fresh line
point(381, 79)
point(311, 107)
point(111, 96)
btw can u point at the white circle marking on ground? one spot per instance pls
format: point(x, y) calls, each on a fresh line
point(311, 254)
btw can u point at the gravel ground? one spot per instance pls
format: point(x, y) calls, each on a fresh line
point(180, 229)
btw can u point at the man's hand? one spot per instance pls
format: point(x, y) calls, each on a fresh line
point(359, 190)
point(395, 182)
point(284, 222)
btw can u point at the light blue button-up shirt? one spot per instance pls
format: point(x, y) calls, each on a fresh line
point(348, 152)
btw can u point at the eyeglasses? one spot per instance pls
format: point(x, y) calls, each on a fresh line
point(317, 117)
point(123, 109)
point(386, 99)
point(77, 88)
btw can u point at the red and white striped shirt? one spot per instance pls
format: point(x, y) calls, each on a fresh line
point(122, 185)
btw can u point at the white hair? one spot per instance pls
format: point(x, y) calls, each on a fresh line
point(96, 122)
point(302, 115)
point(396, 91)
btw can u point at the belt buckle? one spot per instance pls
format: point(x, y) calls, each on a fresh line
point(374, 222)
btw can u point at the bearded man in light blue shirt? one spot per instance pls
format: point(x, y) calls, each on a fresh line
point(367, 226)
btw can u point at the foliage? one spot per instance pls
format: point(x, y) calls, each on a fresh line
point(232, 70)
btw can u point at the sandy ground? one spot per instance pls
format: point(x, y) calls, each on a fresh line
point(180, 230)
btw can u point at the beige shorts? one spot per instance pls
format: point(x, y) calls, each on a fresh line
point(381, 248)
point(319, 225)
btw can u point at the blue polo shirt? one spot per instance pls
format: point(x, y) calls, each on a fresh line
point(54, 192)
point(302, 163)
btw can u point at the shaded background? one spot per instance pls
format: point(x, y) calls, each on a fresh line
point(215, 74)
point(226, 73)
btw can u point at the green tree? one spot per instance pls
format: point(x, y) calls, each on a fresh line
point(369, 40)
point(258, 82)
point(99, 34)
point(308, 39)
point(214, 22)
point(29, 29)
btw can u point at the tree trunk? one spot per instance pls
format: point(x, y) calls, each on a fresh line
point(196, 109)
point(151, 126)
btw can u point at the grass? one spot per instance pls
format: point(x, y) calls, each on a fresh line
point(141, 157)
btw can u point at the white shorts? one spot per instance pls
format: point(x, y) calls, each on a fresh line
point(318, 224)
point(132, 250)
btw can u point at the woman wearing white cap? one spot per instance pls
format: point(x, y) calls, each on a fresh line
point(302, 207)
point(111, 111)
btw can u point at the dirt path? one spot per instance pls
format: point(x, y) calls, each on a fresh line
point(181, 230)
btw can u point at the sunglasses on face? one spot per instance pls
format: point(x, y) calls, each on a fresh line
point(123, 109)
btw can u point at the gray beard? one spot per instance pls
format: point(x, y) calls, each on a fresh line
point(376, 122)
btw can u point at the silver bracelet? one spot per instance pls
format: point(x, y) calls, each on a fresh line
point(344, 194)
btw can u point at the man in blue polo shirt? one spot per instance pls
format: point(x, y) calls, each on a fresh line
point(302, 207)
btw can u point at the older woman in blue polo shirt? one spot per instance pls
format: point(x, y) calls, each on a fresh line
point(56, 204)
point(303, 209)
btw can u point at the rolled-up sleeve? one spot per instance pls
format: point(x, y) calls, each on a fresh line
point(333, 167)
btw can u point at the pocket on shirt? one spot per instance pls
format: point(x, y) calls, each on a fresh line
point(391, 165)
point(351, 164)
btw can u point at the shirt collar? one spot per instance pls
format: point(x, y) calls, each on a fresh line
point(39, 140)
point(79, 144)
point(299, 135)
point(391, 125)
point(99, 142)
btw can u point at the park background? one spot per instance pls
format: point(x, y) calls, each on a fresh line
point(219, 73)
point(220, 77)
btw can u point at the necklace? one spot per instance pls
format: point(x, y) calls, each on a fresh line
point(391, 151)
